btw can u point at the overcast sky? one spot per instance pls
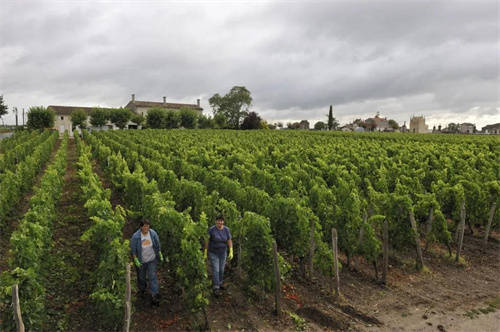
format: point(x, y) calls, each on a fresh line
point(434, 58)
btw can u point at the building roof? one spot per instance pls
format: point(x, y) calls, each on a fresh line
point(67, 110)
point(151, 104)
point(492, 126)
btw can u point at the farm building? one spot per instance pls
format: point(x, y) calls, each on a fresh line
point(142, 107)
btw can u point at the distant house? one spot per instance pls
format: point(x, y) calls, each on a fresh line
point(304, 124)
point(63, 117)
point(492, 129)
point(418, 126)
point(142, 107)
point(466, 128)
point(377, 124)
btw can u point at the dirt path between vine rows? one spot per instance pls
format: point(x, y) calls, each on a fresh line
point(17, 213)
point(146, 317)
point(70, 261)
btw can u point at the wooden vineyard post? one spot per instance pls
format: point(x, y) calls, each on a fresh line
point(311, 248)
point(490, 220)
point(128, 304)
point(386, 252)
point(17, 308)
point(461, 229)
point(428, 227)
point(335, 264)
point(277, 295)
point(420, 260)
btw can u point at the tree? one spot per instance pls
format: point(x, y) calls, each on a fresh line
point(205, 122)
point(251, 121)
point(189, 117)
point(320, 125)
point(172, 119)
point(138, 119)
point(155, 117)
point(40, 117)
point(3, 108)
point(79, 118)
point(234, 105)
point(393, 124)
point(220, 121)
point(330, 118)
point(99, 117)
point(120, 117)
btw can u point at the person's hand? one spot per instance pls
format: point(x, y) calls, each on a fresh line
point(136, 262)
point(205, 254)
point(230, 253)
point(161, 257)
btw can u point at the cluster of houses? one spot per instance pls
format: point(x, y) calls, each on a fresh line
point(376, 123)
point(418, 126)
point(63, 113)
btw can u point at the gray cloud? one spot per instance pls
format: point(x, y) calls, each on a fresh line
point(401, 58)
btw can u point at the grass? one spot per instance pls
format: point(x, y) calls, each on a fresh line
point(491, 306)
point(300, 323)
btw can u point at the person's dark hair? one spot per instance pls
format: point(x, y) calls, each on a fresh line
point(145, 222)
point(219, 217)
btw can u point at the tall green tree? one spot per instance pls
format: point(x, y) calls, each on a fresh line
point(332, 122)
point(99, 117)
point(172, 119)
point(234, 105)
point(155, 117)
point(3, 108)
point(120, 117)
point(40, 117)
point(79, 118)
point(189, 117)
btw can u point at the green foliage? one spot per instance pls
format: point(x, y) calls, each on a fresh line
point(3, 107)
point(205, 122)
point(189, 118)
point(138, 119)
point(30, 242)
point(257, 251)
point(120, 117)
point(40, 117)
point(251, 121)
point(99, 117)
point(320, 125)
point(79, 118)
point(234, 105)
point(155, 117)
point(172, 119)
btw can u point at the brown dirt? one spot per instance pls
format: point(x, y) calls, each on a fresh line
point(71, 259)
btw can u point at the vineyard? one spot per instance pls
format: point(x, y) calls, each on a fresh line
point(389, 197)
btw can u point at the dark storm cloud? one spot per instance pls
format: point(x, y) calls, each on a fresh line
point(401, 58)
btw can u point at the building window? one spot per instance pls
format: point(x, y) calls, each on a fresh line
point(62, 117)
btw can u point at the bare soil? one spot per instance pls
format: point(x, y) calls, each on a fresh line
point(70, 261)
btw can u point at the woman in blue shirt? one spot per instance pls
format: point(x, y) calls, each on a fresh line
point(217, 244)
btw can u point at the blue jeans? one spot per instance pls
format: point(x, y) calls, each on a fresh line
point(217, 261)
point(148, 269)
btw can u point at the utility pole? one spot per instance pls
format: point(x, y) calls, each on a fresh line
point(23, 117)
point(15, 111)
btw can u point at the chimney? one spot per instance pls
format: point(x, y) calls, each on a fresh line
point(133, 97)
point(164, 100)
point(198, 102)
